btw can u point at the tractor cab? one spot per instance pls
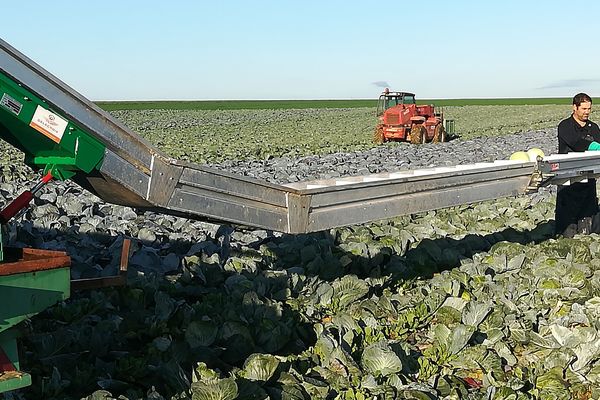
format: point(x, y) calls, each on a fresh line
point(390, 99)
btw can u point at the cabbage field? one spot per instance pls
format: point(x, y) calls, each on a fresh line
point(470, 302)
point(215, 136)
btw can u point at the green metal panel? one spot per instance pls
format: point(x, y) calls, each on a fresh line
point(26, 294)
point(63, 147)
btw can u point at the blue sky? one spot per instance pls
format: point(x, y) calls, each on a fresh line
point(262, 49)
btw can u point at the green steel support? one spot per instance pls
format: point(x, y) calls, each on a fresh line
point(49, 140)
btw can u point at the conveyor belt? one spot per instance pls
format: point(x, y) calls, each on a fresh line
point(135, 173)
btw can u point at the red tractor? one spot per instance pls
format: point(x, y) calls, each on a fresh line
point(400, 118)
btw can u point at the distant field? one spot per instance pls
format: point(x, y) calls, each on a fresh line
point(303, 104)
point(207, 136)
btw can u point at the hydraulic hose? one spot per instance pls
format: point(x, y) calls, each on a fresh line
point(23, 200)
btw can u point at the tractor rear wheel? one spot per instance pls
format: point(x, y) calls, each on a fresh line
point(378, 135)
point(418, 134)
point(439, 134)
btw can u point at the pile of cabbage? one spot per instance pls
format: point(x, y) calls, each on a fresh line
point(473, 302)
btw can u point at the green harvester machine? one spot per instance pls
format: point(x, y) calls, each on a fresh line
point(64, 136)
point(32, 280)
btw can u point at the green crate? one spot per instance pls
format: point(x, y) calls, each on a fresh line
point(30, 281)
point(449, 126)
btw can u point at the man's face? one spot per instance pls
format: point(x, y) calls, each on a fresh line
point(582, 113)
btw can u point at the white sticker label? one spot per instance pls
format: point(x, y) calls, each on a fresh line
point(48, 123)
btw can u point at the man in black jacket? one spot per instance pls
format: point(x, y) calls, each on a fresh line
point(577, 204)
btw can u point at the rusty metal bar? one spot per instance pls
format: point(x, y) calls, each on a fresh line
point(107, 281)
